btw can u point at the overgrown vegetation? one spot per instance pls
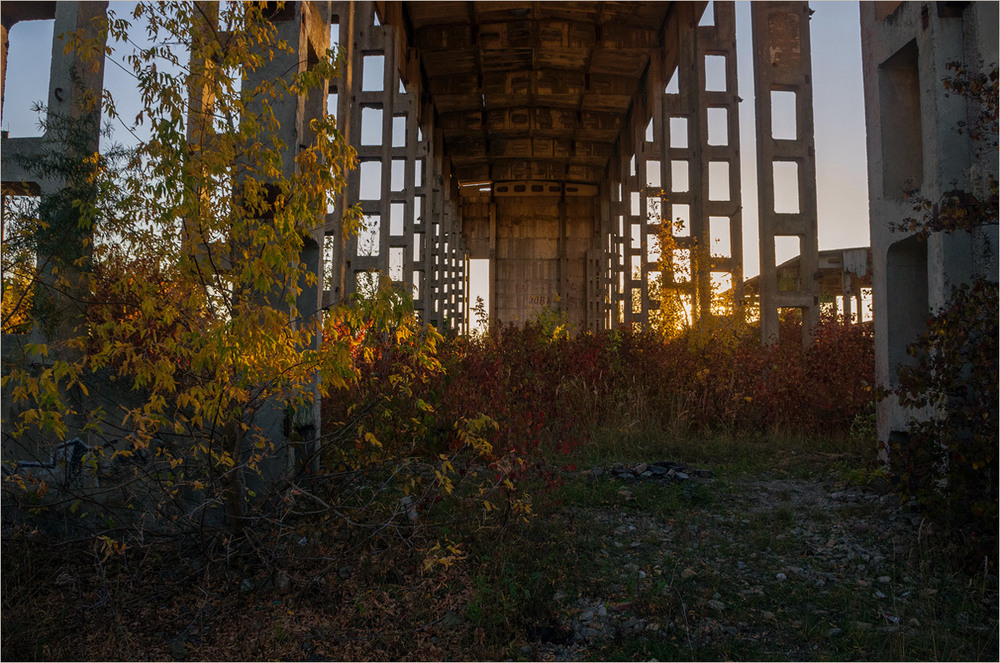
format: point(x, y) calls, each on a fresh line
point(451, 497)
point(179, 345)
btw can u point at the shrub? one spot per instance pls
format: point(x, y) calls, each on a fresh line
point(949, 460)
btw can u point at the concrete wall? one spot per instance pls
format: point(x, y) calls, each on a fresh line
point(539, 243)
point(542, 245)
point(916, 150)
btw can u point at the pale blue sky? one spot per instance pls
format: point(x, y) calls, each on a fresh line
point(842, 189)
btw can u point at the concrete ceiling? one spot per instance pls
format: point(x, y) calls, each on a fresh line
point(533, 90)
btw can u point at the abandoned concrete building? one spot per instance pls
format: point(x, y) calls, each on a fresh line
point(914, 146)
point(556, 140)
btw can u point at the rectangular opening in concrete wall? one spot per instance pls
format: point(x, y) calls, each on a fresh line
point(786, 187)
point(902, 137)
point(655, 280)
point(653, 173)
point(787, 247)
point(370, 179)
point(418, 172)
point(26, 81)
point(718, 181)
point(418, 242)
point(836, 306)
point(649, 131)
point(399, 131)
point(631, 166)
point(719, 236)
point(715, 73)
point(718, 125)
point(673, 83)
point(329, 244)
point(652, 247)
point(418, 210)
point(334, 31)
point(369, 235)
point(680, 265)
point(417, 276)
point(867, 305)
point(366, 283)
point(636, 298)
point(396, 263)
point(907, 296)
point(722, 282)
point(372, 72)
point(653, 207)
point(371, 125)
point(680, 217)
point(635, 201)
point(784, 117)
point(397, 212)
point(679, 176)
point(479, 294)
point(679, 133)
point(636, 236)
point(708, 16)
point(331, 101)
point(636, 264)
point(397, 177)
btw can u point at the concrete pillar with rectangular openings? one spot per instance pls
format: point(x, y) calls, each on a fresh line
point(786, 159)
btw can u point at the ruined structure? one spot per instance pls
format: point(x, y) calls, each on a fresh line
point(557, 141)
point(843, 278)
point(916, 148)
point(554, 140)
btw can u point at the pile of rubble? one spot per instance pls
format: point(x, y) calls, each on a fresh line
point(664, 471)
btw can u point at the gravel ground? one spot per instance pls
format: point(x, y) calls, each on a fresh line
point(696, 567)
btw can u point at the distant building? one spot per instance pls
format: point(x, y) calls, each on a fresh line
point(844, 278)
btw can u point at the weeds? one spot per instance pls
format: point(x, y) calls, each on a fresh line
point(682, 570)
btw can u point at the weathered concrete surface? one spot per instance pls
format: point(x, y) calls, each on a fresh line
point(916, 149)
point(783, 63)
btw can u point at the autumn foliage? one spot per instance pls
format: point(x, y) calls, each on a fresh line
point(549, 394)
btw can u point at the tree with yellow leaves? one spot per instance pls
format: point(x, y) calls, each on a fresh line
point(201, 350)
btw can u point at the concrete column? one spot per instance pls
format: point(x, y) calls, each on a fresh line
point(3, 61)
point(305, 28)
point(561, 248)
point(682, 161)
point(75, 86)
point(493, 259)
point(914, 148)
point(782, 63)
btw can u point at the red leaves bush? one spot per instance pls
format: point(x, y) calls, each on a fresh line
point(550, 393)
point(554, 392)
